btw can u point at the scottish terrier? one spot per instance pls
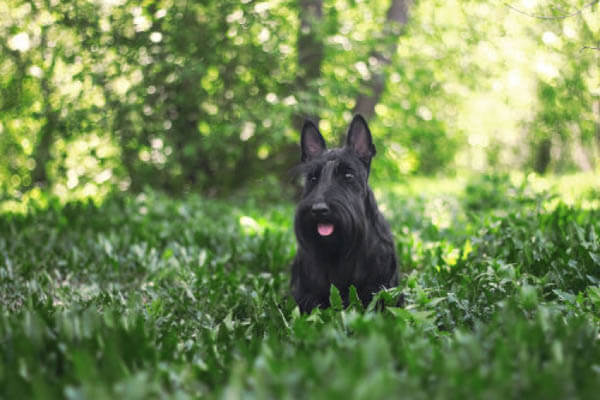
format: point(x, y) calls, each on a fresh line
point(343, 239)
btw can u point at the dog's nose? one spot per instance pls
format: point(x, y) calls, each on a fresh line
point(320, 209)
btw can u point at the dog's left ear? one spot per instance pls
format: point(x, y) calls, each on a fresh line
point(359, 139)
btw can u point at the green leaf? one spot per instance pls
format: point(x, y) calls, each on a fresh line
point(335, 300)
point(168, 253)
point(354, 300)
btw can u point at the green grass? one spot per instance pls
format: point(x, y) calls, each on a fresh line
point(151, 297)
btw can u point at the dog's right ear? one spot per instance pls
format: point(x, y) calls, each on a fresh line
point(311, 141)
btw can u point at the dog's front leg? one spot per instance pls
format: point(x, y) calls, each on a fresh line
point(308, 301)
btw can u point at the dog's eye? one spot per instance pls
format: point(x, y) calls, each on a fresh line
point(348, 176)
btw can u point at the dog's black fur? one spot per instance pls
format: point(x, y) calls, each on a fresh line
point(343, 239)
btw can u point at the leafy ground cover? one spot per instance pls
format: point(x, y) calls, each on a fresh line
point(150, 297)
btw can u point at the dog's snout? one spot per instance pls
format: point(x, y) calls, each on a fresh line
point(320, 209)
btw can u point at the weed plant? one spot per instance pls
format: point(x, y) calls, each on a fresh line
point(149, 297)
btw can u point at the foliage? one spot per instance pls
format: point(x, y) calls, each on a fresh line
point(492, 191)
point(565, 130)
point(148, 296)
point(202, 96)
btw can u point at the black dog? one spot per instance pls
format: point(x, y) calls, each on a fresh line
point(342, 237)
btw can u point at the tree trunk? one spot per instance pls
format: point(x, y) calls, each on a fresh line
point(596, 107)
point(127, 144)
point(596, 113)
point(542, 156)
point(41, 153)
point(396, 19)
point(310, 57)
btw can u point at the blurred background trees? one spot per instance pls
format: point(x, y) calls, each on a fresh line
point(208, 96)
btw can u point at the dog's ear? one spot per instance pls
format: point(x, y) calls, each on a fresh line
point(311, 141)
point(359, 139)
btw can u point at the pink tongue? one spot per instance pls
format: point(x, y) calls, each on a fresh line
point(325, 229)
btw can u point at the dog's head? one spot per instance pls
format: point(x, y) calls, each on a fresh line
point(330, 217)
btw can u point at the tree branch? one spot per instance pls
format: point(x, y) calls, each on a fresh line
point(310, 57)
point(553, 17)
point(396, 19)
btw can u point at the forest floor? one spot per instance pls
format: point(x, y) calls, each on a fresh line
point(151, 297)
